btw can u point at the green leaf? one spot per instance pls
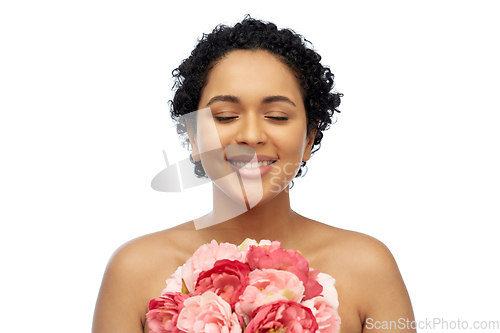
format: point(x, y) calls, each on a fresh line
point(184, 289)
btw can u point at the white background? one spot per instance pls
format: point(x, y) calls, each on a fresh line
point(413, 159)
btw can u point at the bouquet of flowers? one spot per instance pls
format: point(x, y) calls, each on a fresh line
point(254, 287)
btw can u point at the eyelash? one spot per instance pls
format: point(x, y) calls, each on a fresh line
point(279, 118)
point(225, 119)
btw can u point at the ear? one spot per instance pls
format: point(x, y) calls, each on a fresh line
point(191, 131)
point(309, 143)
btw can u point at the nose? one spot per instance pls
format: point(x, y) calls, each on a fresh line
point(251, 131)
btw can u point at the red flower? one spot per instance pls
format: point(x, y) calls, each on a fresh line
point(288, 260)
point(164, 311)
point(228, 279)
point(282, 317)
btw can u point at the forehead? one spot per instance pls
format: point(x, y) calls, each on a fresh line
point(251, 73)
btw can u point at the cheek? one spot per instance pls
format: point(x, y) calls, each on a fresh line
point(225, 136)
point(292, 144)
point(207, 134)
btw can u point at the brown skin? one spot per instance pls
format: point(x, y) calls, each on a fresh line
point(367, 278)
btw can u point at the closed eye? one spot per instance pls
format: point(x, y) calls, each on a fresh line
point(278, 118)
point(223, 119)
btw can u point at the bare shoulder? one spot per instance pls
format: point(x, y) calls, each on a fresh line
point(367, 260)
point(347, 248)
point(135, 274)
point(360, 250)
point(163, 247)
point(365, 270)
point(140, 257)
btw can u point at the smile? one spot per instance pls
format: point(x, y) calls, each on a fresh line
point(254, 165)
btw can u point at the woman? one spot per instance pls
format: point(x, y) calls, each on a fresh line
point(262, 97)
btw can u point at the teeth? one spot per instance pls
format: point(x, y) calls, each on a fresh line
point(251, 165)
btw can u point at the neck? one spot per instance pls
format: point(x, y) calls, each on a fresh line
point(273, 220)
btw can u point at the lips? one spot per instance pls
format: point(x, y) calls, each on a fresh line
point(246, 158)
point(251, 166)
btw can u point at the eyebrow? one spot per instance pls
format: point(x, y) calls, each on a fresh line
point(277, 98)
point(265, 100)
point(224, 98)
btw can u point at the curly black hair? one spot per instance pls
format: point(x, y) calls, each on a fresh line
point(315, 80)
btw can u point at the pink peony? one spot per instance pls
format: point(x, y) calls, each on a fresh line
point(282, 317)
point(207, 313)
point(326, 314)
point(261, 257)
point(247, 243)
point(268, 286)
point(205, 257)
point(329, 291)
point(202, 260)
point(184, 272)
point(228, 279)
point(163, 312)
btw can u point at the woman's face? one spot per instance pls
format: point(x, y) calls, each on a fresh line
point(257, 110)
